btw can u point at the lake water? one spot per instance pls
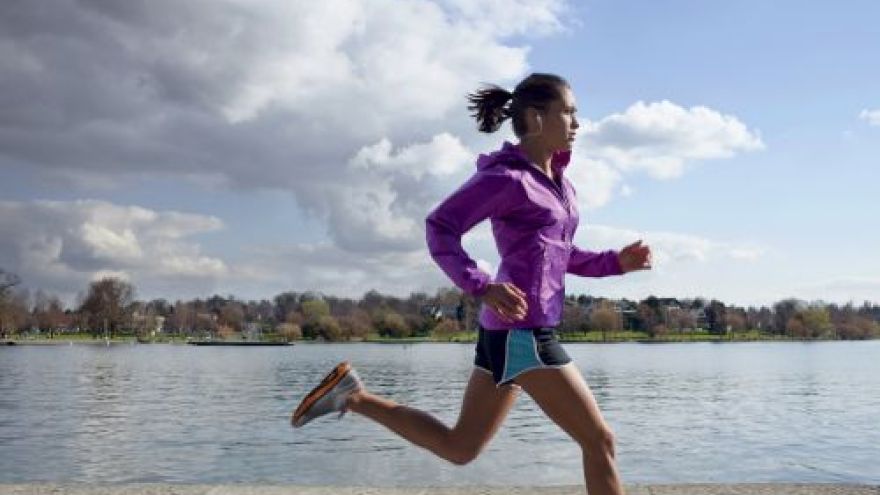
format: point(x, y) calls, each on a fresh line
point(734, 412)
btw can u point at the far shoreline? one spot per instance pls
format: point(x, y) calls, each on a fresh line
point(459, 339)
point(278, 489)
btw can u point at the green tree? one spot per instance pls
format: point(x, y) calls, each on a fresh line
point(716, 317)
point(392, 324)
point(314, 309)
point(328, 328)
point(817, 322)
point(315, 323)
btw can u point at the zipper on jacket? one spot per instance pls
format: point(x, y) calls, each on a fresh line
point(559, 190)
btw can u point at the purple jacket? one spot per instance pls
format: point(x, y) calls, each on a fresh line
point(533, 221)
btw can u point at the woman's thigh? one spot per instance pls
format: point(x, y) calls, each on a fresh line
point(483, 408)
point(563, 394)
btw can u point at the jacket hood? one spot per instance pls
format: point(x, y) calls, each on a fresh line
point(513, 155)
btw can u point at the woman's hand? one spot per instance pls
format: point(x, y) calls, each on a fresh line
point(506, 300)
point(635, 257)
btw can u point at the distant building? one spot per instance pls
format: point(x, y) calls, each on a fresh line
point(439, 311)
point(252, 331)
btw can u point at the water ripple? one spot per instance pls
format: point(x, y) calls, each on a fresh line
point(757, 412)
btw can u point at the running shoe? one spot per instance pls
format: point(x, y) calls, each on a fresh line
point(329, 396)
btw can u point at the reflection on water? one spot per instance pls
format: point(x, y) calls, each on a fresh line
point(747, 412)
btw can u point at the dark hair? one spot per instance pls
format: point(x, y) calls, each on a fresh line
point(490, 104)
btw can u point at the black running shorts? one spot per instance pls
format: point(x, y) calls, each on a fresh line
point(507, 353)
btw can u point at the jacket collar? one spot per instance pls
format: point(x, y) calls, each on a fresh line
point(512, 154)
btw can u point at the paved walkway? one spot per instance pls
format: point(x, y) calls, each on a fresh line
point(164, 489)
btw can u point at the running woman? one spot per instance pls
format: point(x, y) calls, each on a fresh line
point(522, 189)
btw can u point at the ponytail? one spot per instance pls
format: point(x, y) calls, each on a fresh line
point(489, 107)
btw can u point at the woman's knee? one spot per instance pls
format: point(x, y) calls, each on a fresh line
point(463, 451)
point(600, 443)
point(461, 457)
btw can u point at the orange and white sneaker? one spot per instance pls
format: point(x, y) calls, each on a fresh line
point(329, 396)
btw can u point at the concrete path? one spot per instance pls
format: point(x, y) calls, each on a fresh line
point(164, 489)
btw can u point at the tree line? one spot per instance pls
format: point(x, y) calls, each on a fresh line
point(108, 308)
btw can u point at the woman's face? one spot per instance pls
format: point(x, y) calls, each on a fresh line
point(558, 122)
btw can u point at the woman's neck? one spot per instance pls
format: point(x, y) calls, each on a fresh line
point(540, 156)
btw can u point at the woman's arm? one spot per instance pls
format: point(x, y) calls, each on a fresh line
point(593, 264)
point(636, 256)
point(483, 195)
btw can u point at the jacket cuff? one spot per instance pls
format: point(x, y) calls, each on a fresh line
point(481, 283)
point(615, 262)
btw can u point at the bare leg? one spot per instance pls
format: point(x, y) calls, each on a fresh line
point(565, 397)
point(483, 409)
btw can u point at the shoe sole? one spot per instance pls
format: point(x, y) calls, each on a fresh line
point(327, 384)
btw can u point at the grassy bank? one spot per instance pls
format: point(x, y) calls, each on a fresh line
point(461, 337)
point(598, 336)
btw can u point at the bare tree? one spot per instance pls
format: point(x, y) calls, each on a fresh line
point(574, 318)
point(8, 280)
point(289, 331)
point(446, 328)
point(355, 325)
point(681, 319)
point(15, 315)
point(648, 317)
point(735, 321)
point(604, 318)
point(182, 318)
point(48, 313)
point(107, 304)
point(783, 312)
point(232, 316)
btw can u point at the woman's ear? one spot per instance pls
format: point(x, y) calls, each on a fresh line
point(533, 122)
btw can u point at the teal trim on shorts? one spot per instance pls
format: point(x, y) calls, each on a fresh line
point(521, 353)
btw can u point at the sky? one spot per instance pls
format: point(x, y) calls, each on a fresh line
point(253, 147)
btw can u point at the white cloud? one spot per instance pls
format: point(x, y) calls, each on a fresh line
point(265, 94)
point(669, 247)
point(443, 155)
point(594, 180)
point(504, 18)
point(329, 269)
point(746, 253)
point(660, 137)
point(872, 117)
point(111, 245)
point(684, 266)
point(102, 274)
point(62, 245)
point(356, 107)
